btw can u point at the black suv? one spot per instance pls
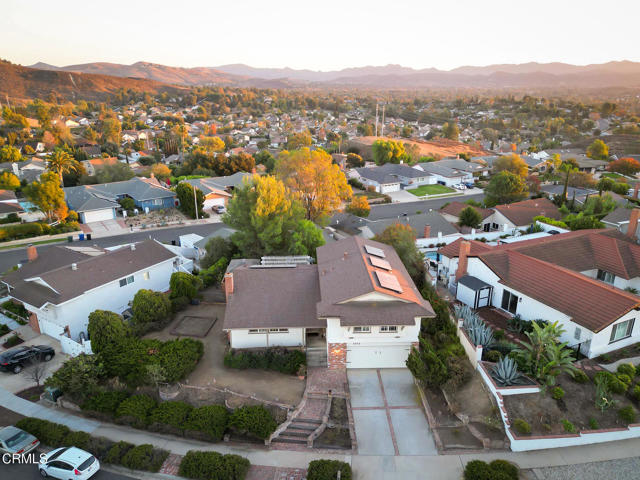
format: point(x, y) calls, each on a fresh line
point(16, 359)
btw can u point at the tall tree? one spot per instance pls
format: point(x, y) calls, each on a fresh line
point(505, 187)
point(61, 162)
point(48, 196)
point(269, 221)
point(186, 193)
point(402, 238)
point(8, 181)
point(512, 163)
point(388, 151)
point(299, 140)
point(451, 131)
point(598, 150)
point(469, 217)
point(10, 154)
point(317, 182)
point(625, 166)
point(567, 167)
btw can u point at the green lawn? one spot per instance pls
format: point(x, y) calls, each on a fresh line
point(613, 175)
point(436, 189)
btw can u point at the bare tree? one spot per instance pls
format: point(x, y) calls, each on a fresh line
point(37, 373)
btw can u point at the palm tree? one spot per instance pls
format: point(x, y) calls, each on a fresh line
point(61, 162)
point(567, 166)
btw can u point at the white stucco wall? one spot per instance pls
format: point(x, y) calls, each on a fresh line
point(241, 338)
point(75, 312)
point(339, 334)
point(466, 295)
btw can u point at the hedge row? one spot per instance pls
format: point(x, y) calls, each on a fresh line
point(35, 229)
point(208, 422)
point(141, 457)
point(278, 359)
point(213, 466)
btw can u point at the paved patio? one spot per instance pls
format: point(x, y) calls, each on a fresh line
point(388, 416)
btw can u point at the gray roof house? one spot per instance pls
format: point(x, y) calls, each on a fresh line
point(99, 202)
point(391, 177)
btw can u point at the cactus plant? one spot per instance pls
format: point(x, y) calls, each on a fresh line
point(505, 373)
point(479, 332)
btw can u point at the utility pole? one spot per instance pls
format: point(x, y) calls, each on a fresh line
point(195, 201)
point(376, 134)
point(382, 126)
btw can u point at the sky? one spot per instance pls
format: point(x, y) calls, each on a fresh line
point(319, 35)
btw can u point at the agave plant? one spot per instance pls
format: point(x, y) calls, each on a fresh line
point(479, 332)
point(463, 311)
point(505, 372)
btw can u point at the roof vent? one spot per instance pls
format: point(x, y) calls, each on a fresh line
point(74, 266)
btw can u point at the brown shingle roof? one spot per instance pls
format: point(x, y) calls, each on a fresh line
point(273, 298)
point(522, 213)
point(91, 273)
point(588, 302)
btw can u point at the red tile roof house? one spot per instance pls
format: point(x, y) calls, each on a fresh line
point(520, 214)
point(577, 279)
point(61, 287)
point(358, 304)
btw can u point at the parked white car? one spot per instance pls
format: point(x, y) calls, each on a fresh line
point(16, 441)
point(69, 463)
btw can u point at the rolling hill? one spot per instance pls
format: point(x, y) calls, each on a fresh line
point(20, 82)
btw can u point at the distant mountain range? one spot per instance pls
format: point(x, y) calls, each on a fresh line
point(98, 81)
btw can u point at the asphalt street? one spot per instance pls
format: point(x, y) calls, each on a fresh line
point(9, 258)
point(30, 472)
point(390, 210)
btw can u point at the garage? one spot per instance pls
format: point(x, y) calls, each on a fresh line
point(97, 215)
point(378, 356)
point(210, 202)
point(389, 187)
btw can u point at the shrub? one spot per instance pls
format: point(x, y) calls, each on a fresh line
point(150, 307)
point(624, 378)
point(328, 470)
point(636, 392)
point(100, 447)
point(184, 285)
point(179, 303)
point(557, 393)
point(4, 329)
point(627, 369)
point(135, 410)
point(211, 419)
point(568, 426)
point(144, 457)
point(499, 334)
point(49, 433)
point(105, 402)
point(279, 359)
point(171, 413)
point(627, 414)
point(117, 452)
point(253, 420)
point(78, 439)
point(12, 341)
point(213, 466)
point(618, 386)
point(580, 377)
point(521, 426)
point(477, 470)
point(16, 308)
point(23, 230)
point(509, 470)
point(593, 424)
point(493, 356)
point(179, 357)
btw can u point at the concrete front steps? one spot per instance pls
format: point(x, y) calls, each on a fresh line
point(298, 431)
point(316, 357)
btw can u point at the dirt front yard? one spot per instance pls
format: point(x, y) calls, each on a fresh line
point(210, 371)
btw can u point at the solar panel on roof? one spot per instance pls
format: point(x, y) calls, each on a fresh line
point(388, 281)
point(374, 251)
point(380, 263)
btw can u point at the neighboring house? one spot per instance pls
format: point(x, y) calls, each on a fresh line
point(577, 279)
point(61, 287)
point(520, 214)
point(9, 204)
point(618, 219)
point(29, 170)
point(477, 169)
point(445, 174)
point(95, 203)
point(451, 211)
point(358, 305)
point(94, 165)
point(392, 177)
point(217, 190)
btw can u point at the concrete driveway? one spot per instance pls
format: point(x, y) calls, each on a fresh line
point(16, 383)
point(389, 419)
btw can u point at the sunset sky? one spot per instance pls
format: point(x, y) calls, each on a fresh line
point(319, 35)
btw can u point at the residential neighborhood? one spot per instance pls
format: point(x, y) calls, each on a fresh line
point(335, 259)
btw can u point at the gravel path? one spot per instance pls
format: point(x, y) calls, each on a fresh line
point(623, 469)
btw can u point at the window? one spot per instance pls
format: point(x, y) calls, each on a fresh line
point(577, 333)
point(157, 201)
point(146, 276)
point(621, 330)
point(606, 277)
point(258, 330)
point(388, 329)
point(509, 302)
point(495, 226)
point(361, 329)
point(126, 281)
point(278, 330)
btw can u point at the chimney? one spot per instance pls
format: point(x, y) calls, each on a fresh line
point(635, 190)
point(228, 284)
point(74, 266)
point(465, 248)
point(32, 252)
point(633, 223)
point(427, 231)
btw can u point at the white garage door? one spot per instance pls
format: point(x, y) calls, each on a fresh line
point(98, 215)
point(378, 356)
point(394, 187)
